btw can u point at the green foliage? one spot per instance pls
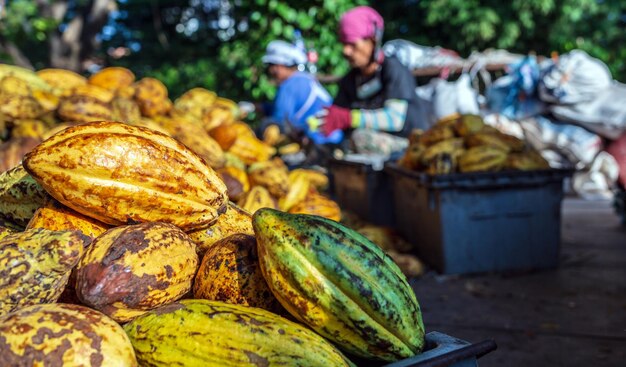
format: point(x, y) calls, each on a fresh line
point(24, 26)
point(178, 42)
point(269, 20)
point(522, 26)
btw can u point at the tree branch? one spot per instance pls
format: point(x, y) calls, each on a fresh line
point(16, 54)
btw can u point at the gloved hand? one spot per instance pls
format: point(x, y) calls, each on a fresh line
point(338, 118)
point(335, 118)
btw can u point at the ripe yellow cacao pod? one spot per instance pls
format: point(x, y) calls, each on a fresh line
point(35, 266)
point(125, 109)
point(129, 270)
point(487, 139)
point(468, 124)
point(223, 334)
point(317, 204)
point(55, 216)
point(117, 174)
point(196, 102)
point(482, 158)
point(258, 197)
point(235, 220)
point(318, 179)
point(151, 96)
point(199, 141)
point(272, 174)
point(112, 78)
point(20, 107)
point(83, 109)
point(436, 134)
point(230, 273)
point(61, 79)
point(63, 335)
point(29, 128)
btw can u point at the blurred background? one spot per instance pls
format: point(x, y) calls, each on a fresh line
point(217, 44)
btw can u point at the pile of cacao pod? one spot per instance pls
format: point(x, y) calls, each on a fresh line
point(120, 245)
point(464, 143)
point(35, 105)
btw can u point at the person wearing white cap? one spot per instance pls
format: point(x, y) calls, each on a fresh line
point(299, 94)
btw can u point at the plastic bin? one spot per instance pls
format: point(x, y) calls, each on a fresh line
point(481, 222)
point(442, 350)
point(363, 188)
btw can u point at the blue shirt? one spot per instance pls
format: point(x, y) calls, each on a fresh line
point(298, 98)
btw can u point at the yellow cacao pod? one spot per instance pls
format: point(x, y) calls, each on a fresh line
point(226, 335)
point(526, 161)
point(117, 174)
point(318, 179)
point(4, 231)
point(35, 266)
point(199, 141)
point(55, 216)
point(436, 134)
point(63, 335)
point(298, 191)
point(12, 85)
point(112, 78)
point(235, 220)
point(125, 109)
point(20, 197)
point(487, 139)
point(272, 174)
point(230, 273)
point(151, 96)
point(258, 197)
point(196, 102)
point(84, 109)
point(129, 270)
point(20, 107)
point(29, 128)
point(48, 101)
point(317, 204)
point(93, 92)
point(61, 79)
point(29, 76)
point(468, 124)
point(482, 158)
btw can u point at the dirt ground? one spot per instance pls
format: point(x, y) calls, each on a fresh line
point(574, 315)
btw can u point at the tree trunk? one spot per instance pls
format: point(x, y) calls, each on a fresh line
point(16, 54)
point(71, 48)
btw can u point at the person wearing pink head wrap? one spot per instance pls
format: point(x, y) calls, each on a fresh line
point(378, 94)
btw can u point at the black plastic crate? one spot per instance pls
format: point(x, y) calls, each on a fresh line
point(480, 222)
point(362, 188)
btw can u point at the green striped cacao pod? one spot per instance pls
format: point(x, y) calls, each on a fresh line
point(340, 284)
point(207, 333)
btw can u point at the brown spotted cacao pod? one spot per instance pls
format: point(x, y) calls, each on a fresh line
point(129, 270)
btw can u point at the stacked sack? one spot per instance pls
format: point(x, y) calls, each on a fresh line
point(463, 143)
point(119, 245)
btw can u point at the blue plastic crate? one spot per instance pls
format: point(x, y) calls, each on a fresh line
point(480, 222)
